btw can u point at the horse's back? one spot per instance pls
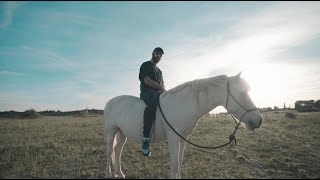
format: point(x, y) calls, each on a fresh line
point(124, 100)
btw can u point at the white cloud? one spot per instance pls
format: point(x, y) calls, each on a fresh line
point(77, 19)
point(48, 58)
point(21, 101)
point(8, 9)
point(10, 73)
point(286, 23)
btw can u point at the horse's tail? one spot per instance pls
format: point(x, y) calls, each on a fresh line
point(108, 121)
point(105, 116)
point(105, 111)
point(108, 137)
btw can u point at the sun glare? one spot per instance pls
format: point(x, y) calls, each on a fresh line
point(269, 84)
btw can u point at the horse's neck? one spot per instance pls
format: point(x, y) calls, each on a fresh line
point(192, 105)
point(207, 99)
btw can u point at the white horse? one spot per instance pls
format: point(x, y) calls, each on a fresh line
point(182, 106)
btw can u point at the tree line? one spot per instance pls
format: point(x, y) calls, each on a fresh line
point(31, 113)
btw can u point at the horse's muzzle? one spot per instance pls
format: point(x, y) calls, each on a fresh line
point(254, 123)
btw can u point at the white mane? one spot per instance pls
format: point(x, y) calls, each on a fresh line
point(197, 85)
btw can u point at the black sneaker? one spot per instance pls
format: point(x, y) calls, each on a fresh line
point(145, 150)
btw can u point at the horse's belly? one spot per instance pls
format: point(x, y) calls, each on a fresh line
point(127, 113)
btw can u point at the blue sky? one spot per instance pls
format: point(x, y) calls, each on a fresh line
point(73, 55)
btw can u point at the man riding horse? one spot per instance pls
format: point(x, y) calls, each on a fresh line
point(151, 86)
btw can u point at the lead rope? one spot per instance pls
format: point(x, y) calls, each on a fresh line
point(231, 137)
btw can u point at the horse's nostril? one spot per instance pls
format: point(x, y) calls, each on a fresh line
point(252, 124)
point(255, 123)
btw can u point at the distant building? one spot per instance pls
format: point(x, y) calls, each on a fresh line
point(84, 112)
point(305, 106)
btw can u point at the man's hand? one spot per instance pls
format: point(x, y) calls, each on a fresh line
point(163, 89)
point(151, 83)
point(160, 91)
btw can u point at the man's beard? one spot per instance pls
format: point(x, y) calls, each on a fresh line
point(155, 60)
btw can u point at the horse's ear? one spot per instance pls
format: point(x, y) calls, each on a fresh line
point(238, 75)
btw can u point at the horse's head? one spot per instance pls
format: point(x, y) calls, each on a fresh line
point(239, 103)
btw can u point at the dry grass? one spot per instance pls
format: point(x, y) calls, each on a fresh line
point(74, 147)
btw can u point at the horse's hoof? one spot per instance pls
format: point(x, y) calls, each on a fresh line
point(120, 176)
point(108, 175)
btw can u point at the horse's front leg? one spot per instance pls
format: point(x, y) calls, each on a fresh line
point(174, 149)
point(181, 154)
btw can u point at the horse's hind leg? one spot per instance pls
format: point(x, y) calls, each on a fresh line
point(121, 140)
point(111, 132)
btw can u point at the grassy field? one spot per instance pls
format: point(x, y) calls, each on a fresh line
point(74, 147)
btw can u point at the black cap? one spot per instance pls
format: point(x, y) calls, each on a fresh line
point(158, 49)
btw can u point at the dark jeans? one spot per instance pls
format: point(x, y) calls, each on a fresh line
point(150, 97)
